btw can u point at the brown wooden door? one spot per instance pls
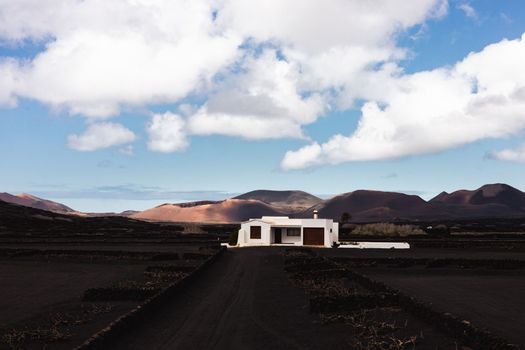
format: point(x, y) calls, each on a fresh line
point(313, 236)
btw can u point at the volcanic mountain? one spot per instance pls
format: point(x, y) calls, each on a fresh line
point(489, 201)
point(226, 211)
point(493, 200)
point(35, 202)
point(19, 219)
point(365, 205)
point(286, 201)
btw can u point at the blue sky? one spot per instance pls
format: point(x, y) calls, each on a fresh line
point(37, 157)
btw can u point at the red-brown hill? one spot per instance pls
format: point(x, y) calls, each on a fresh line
point(35, 202)
point(287, 201)
point(365, 205)
point(227, 211)
point(493, 200)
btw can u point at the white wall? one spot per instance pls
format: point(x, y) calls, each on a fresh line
point(244, 233)
point(335, 232)
point(376, 245)
point(290, 239)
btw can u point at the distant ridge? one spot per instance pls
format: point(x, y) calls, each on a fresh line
point(288, 201)
point(366, 205)
point(35, 202)
point(493, 200)
point(488, 194)
point(489, 201)
point(230, 210)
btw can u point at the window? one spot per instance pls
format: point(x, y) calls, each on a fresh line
point(293, 232)
point(255, 232)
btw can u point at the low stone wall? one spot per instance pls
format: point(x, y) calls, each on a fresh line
point(501, 264)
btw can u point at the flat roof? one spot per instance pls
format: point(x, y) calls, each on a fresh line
point(284, 220)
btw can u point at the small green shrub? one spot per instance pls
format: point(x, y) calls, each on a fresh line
point(345, 217)
point(234, 236)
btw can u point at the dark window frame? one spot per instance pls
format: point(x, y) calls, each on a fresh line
point(255, 232)
point(297, 231)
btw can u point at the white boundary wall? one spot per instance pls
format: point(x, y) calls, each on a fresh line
point(376, 245)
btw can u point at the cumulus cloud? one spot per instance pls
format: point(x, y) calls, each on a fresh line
point(100, 135)
point(262, 102)
point(482, 96)
point(100, 56)
point(260, 73)
point(317, 27)
point(167, 133)
point(511, 155)
point(8, 67)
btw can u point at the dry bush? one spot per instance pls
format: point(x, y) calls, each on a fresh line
point(388, 230)
point(131, 290)
point(122, 291)
point(323, 287)
point(160, 278)
point(315, 275)
point(56, 329)
point(371, 334)
point(15, 338)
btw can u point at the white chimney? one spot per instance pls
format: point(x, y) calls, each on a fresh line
point(316, 215)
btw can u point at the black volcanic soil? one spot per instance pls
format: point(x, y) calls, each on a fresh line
point(430, 253)
point(247, 301)
point(492, 299)
point(244, 301)
point(137, 247)
point(42, 285)
point(29, 287)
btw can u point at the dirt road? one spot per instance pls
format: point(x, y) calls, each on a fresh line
point(243, 301)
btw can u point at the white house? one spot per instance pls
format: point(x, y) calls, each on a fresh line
point(281, 230)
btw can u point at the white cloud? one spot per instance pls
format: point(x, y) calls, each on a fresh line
point(100, 135)
point(468, 10)
point(262, 102)
point(167, 133)
point(105, 55)
point(7, 82)
point(313, 27)
point(511, 155)
point(481, 97)
point(100, 57)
